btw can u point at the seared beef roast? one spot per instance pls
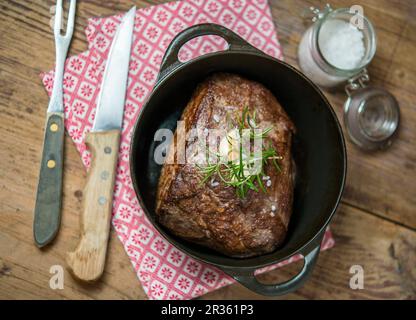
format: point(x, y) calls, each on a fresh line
point(211, 214)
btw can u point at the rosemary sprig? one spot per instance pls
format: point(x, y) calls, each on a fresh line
point(238, 173)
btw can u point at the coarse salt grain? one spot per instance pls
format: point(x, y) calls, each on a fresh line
point(268, 183)
point(341, 44)
point(216, 118)
point(273, 208)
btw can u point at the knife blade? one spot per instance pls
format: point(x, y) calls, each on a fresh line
point(88, 260)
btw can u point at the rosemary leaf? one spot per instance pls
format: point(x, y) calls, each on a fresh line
point(238, 174)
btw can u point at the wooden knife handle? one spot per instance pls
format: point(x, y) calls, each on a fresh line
point(47, 215)
point(88, 260)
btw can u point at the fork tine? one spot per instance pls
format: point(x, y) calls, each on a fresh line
point(58, 18)
point(71, 19)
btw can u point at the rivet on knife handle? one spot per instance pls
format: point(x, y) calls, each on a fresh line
point(47, 217)
point(88, 260)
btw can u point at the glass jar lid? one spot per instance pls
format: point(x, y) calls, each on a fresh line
point(371, 117)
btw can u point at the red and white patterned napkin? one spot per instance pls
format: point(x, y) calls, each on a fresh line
point(164, 271)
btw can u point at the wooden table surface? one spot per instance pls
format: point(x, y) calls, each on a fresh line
point(375, 226)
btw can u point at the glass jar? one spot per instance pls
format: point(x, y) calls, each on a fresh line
point(334, 52)
point(312, 59)
point(371, 114)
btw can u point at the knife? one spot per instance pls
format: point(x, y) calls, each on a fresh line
point(88, 260)
point(47, 215)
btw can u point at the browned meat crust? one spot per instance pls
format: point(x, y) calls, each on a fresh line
point(213, 215)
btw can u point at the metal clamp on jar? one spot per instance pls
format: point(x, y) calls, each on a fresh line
point(334, 52)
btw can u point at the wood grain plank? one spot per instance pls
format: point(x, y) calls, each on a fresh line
point(386, 251)
point(382, 184)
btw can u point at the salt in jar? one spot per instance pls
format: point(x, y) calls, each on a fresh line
point(333, 49)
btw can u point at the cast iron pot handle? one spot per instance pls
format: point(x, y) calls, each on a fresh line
point(170, 59)
point(248, 279)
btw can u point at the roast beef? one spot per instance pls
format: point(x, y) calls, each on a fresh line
point(212, 214)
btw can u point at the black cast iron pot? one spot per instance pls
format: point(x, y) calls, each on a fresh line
point(318, 149)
